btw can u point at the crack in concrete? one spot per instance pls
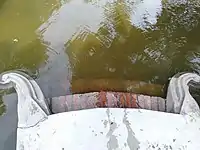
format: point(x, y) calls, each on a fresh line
point(132, 142)
point(112, 143)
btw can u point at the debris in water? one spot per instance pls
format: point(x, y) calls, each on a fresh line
point(15, 40)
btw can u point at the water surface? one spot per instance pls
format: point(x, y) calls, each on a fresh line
point(114, 45)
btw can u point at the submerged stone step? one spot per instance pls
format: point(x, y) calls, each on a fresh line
point(106, 99)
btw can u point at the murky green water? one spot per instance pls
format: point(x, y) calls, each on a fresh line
point(113, 45)
point(140, 41)
point(145, 52)
point(20, 47)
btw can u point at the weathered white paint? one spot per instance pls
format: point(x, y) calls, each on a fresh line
point(108, 129)
point(105, 128)
point(31, 103)
point(178, 94)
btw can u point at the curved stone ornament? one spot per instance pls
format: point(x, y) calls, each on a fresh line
point(37, 94)
point(179, 99)
point(32, 106)
point(103, 128)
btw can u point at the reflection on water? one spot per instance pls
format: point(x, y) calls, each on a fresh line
point(20, 48)
point(112, 42)
point(19, 19)
point(8, 123)
point(1, 3)
point(30, 56)
point(2, 107)
point(85, 45)
point(151, 50)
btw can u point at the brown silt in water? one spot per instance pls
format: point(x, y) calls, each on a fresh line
point(118, 85)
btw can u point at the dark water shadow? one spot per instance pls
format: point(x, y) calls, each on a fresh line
point(8, 123)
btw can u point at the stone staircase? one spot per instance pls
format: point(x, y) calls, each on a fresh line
point(106, 99)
